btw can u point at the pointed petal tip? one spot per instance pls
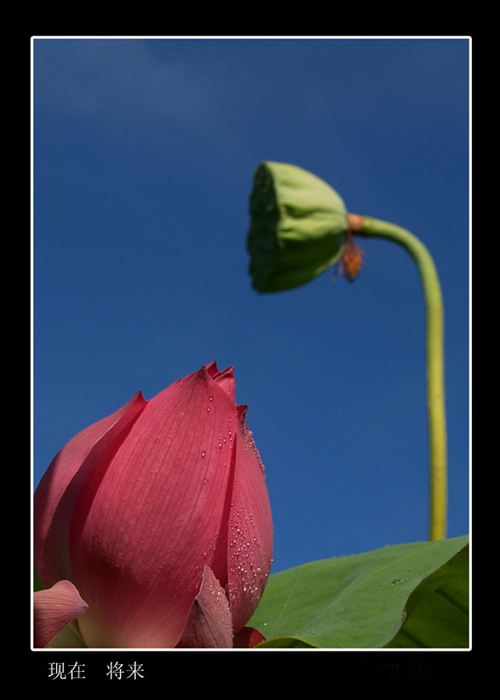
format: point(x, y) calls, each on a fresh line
point(214, 372)
point(209, 623)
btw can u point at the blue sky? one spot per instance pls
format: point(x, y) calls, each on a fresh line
point(143, 157)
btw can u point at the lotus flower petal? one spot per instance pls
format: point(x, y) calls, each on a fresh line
point(209, 622)
point(60, 486)
point(54, 608)
point(143, 511)
point(251, 534)
point(163, 503)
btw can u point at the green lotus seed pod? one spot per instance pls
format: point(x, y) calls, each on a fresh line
point(297, 230)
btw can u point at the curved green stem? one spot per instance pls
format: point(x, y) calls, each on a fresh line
point(366, 226)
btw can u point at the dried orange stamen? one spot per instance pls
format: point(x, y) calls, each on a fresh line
point(352, 259)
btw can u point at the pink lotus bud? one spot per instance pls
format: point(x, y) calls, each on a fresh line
point(159, 516)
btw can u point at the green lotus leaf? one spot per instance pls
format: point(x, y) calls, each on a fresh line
point(407, 595)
